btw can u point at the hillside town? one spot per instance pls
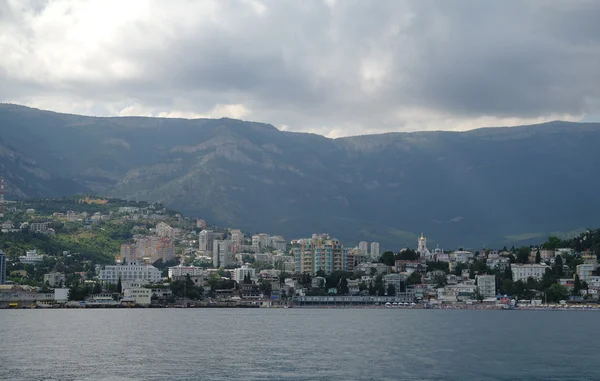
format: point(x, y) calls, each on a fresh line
point(86, 252)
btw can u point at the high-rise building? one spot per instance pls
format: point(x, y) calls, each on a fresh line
point(278, 243)
point(128, 252)
point(374, 249)
point(320, 253)
point(164, 249)
point(207, 237)
point(237, 237)
point(363, 247)
point(2, 267)
point(260, 241)
point(222, 255)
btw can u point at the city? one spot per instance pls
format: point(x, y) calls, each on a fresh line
point(143, 255)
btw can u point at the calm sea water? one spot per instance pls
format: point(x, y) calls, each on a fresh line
point(297, 344)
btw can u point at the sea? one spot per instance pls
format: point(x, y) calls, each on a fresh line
point(297, 344)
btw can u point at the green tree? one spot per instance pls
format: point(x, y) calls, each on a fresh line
point(556, 293)
point(477, 295)
point(577, 286)
point(507, 287)
point(387, 258)
point(552, 243)
point(391, 290)
point(440, 281)
point(558, 267)
point(414, 278)
point(538, 257)
point(119, 286)
point(343, 289)
point(97, 288)
point(523, 254)
point(372, 290)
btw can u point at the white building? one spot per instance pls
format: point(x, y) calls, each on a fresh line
point(486, 284)
point(278, 243)
point(363, 247)
point(374, 249)
point(239, 273)
point(522, 272)
point(31, 257)
point(178, 271)
point(206, 240)
point(461, 256)
point(260, 241)
point(585, 271)
point(130, 273)
point(222, 254)
point(141, 296)
point(237, 237)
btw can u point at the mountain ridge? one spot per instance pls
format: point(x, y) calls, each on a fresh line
point(479, 187)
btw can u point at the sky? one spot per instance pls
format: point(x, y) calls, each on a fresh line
point(332, 67)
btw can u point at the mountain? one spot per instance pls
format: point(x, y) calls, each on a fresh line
point(491, 186)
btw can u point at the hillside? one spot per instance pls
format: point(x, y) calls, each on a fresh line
point(499, 186)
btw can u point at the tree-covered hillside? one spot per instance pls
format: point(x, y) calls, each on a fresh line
point(500, 186)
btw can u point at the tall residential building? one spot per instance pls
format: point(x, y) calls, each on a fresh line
point(320, 253)
point(222, 255)
point(374, 249)
point(206, 239)
point(486, 284)
point(164, 230)
point(260, 241)
point(128, 253)
point(363, 247)
point(2, 267)
point(278, 243)
point(237, 237)
point(164, 249)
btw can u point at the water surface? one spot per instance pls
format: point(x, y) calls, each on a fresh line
point(297, 344)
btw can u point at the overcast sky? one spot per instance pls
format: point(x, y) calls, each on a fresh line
point(335, 68)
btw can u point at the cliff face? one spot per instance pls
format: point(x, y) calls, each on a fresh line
point(483, 187)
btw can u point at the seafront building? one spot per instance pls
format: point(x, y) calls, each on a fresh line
point(320, 253)
point(522, 272)
point(129, 273)
point(486, 284)
point(240, 273)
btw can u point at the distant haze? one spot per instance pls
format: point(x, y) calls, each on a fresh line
point(336, 68)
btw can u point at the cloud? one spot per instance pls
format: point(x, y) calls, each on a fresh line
point(331, 67)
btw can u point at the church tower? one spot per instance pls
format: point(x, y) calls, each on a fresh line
point(422, 249)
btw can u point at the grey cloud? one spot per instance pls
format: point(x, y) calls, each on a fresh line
point(426, 64)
